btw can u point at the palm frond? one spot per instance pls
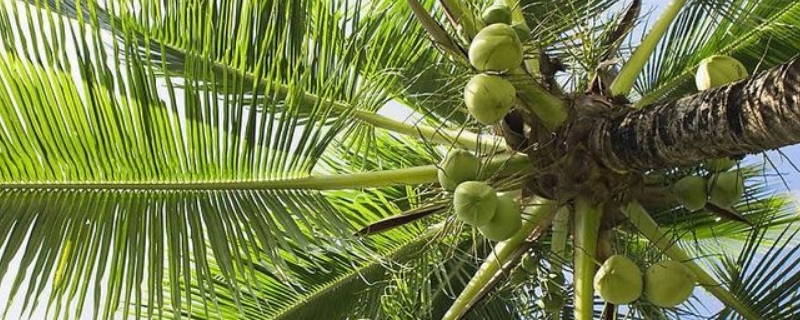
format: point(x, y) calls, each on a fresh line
point(761, 34)
point(118, 113)
point(751, 276)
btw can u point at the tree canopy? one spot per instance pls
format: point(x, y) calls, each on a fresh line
point(234, 159)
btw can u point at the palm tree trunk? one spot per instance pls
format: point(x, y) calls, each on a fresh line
point(756, 114)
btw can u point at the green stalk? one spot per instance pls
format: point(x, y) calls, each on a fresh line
point(550, 109)
point(624, 81)
point(501, 165)
point(639, 217)
point(558, 244)
point(587, 227)
point(496, 259)
point(462, 138)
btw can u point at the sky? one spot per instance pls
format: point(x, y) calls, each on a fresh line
point(782, 165)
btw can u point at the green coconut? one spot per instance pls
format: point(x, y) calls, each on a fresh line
point(690, 192)
point(726, 188)
point(506, 222)
point(668, 283)
point(522, 30)
point(496, 48)
point(720, 164)
point(457, 166)
point(529, 264)
point(475, 202)
point(718, 70)
point(496, 13)
point(489, 98)
point(619, 280)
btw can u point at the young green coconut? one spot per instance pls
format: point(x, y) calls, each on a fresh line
point(619, 280)
point(489, 98)
point(475, 202)
point(496, 48)
point(458, 166)
point(718, 70)
point(496, 13)
point(668, 283)
point(529, 264)
point(507, 220)
point(522, 30)
point(690, 192)
point(726, 188)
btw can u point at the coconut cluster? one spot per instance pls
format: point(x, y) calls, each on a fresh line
point(665, 284)
point(723, 187)
point(496, 49)
point(496, 216)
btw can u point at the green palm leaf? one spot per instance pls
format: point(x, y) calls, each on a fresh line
point(149, 162)
point(758, 33)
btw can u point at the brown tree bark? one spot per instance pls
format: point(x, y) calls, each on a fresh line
point(756, 114)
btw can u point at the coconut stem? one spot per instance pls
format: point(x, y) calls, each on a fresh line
point(550, 109)
point(496, 259)
point(639, 217)
point(630, 71)
point(587, 227)
point(558, 244)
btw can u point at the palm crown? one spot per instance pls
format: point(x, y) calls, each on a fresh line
point(227, 159)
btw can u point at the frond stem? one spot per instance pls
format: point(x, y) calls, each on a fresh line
point(496, 259)
point(463, 138)
point(500, 165)
point(558, 244)
point(630, 71)
point(587, 227)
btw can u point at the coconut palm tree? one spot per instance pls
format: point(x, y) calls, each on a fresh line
point(280, 159)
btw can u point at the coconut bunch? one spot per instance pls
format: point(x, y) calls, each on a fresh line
point(665, 284)
point(497, 216)
point(494, 51)
point(722, 187)
point(669, 283)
